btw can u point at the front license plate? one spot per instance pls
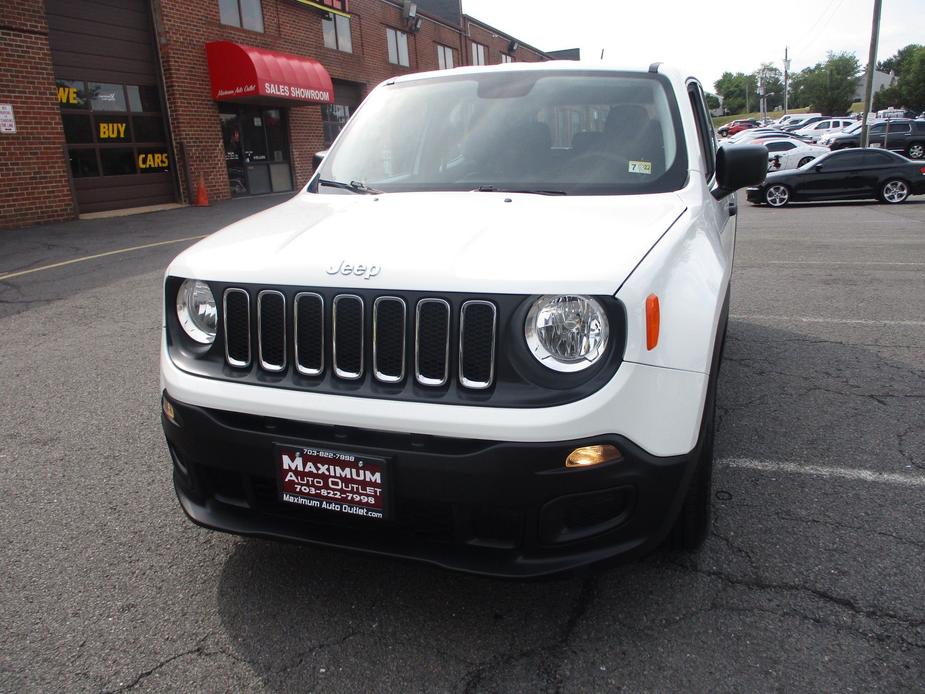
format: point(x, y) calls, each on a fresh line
point(330, 480)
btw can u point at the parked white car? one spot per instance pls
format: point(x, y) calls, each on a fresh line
point(485, 335)
point(815, 131)
point(784, 153)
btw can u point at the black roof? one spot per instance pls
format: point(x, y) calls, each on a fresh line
point(566, 54)
point(450, 11)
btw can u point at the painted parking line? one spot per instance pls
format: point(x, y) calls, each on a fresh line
point(758, 263)
point(11, 275)
point(815, 319)
point(796, 468)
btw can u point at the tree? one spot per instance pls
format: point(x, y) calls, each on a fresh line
point(830, 86)
point(909, 89)
point(895, 62)
point(712, 101)
point(739, 92)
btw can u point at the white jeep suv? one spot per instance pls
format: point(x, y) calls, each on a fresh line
point(485, 335)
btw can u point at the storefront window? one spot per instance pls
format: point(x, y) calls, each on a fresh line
point(333, 119)
point(148, 128)
point(117, 162)
point(102, 140)
point(106, 97)
point(112, 129)
point(152, 161)
point(71, 94)
point(77, 128)
point(256, 149)
point(83, 163)
point(255, 140)
point(143, 98)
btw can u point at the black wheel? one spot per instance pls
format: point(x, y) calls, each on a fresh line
point(777, 195)
point(804, 161)
point(916, 150)
point(723, 132)
point(894, 192)
point(693, 521)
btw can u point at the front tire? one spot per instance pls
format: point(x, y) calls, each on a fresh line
point(916, 150)
point(894, 192)
point(777, 195)
point(804, 161)
point(693, 522)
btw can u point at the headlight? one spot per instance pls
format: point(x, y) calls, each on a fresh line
point(567, 333)
point(196, 311)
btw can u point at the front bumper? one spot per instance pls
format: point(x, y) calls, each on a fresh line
point(495, 508)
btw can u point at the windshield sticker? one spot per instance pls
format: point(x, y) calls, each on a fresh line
point(640, 167)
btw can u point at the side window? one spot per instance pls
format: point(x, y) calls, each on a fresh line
point(875, 158)
point(842, 161)
point(704, 129)
point(824, 125)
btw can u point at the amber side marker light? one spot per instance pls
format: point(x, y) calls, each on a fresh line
point(586, 456)
point(653, 321)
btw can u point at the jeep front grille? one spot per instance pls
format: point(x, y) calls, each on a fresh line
point(351, 338)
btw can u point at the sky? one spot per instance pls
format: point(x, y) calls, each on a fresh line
point(697, 36)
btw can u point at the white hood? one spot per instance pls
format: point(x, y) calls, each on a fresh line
point(465, 242)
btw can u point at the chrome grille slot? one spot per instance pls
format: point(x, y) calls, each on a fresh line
point(236, 309)
point(477, 327)
point(389, 339)
point(432, 342)
point(271, 333)
point(348, 336)
point(309, 333)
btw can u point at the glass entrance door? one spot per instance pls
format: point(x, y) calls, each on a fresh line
point(256, 149)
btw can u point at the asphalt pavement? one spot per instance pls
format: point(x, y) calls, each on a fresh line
point(811, 579)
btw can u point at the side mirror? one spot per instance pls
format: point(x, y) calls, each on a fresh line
point(318, 158)
point(739, 166)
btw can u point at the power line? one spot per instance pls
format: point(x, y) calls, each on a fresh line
point(835, 6)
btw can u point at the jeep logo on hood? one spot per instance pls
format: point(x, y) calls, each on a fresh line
point(359, 270)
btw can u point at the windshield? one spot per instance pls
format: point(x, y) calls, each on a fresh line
point(574, 133)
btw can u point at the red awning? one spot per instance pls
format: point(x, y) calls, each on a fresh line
point(247, 73)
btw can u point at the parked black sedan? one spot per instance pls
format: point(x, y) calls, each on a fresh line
point(849, 174)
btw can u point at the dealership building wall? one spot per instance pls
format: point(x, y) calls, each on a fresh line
point(114, 103)
point(34, 182)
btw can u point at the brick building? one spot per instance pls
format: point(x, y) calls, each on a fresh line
point(131, 103)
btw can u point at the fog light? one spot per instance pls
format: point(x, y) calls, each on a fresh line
point(587, 456)
point(169, 410)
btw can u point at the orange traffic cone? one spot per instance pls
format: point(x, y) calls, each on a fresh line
point(202, 197)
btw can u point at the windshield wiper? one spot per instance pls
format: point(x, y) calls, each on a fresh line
point(493, 189)
point(355, 186)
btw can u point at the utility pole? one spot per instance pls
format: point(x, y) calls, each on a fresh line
point(871, 64)
point(761, 94)
point(786, 80)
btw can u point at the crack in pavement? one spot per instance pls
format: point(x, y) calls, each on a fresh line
point(845, 526)
point(550, 653)
point(846, 603)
